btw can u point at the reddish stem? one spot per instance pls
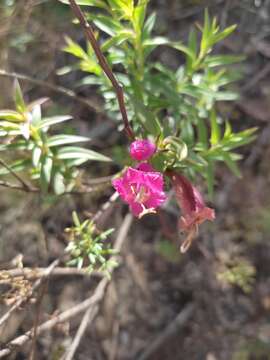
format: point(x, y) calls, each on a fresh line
point(103, 64)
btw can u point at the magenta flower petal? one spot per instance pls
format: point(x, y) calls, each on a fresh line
point(141, 150)
point(145, 167)
point(142, 190)
point(194, 210)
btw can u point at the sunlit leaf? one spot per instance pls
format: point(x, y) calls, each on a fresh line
point(46, 171)
point(11, 115)
point(97, 3)
point(58, 183)
point(73, 152)
point(47, 122)
point(57, 140)
point(18, 97)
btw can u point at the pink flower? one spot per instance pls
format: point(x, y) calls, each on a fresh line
point(141, 188)
point(194, 210)
point(141, 150)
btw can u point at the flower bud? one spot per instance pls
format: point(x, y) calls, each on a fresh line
point(141, 150)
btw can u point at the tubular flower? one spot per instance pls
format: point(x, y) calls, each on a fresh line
point(194, 210)
point(142, 150)
point(141, 188)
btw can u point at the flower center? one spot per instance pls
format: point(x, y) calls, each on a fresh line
point(141, 194)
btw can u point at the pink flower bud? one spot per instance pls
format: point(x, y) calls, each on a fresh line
point(141, 150)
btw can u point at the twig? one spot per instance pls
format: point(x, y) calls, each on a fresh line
point(24, 184)
point(75, 310)
point(91, 312)
point(36, 273)
point(17, 187)
point(37, 316)
point(59, 89)
point(105, 206)
point(104, 64)
point(22, 300)
point(88, 316)
point(255, 79)
point(170, 330)
point(85, 190)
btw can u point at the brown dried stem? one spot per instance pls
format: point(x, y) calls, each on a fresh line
point(36, 273)
point(22, 300)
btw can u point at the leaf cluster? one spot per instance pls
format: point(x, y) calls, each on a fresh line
point(87, 248)
point(50, 159)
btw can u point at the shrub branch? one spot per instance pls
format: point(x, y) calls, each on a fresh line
point(103, 64)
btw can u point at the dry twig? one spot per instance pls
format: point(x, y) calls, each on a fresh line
point(170, 330)
point(59, 89)
point(22, 300)
point(36, 273)
point(24, 184)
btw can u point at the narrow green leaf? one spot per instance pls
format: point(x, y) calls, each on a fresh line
point(37, 102)
point(25, 130)
point(225, 33)
point(215, 131)
point(96, 3)
point(36, 154)
point(149, 25)
point(46, 172)
point(47, 122)
point(73, 152)
point(139, 15)
point(202, 132)
point(18, 97)
point(118, 39)
point(76, 219)
point(107, 24)
point(74, 49)
point(36, 114)
point(186, 50)
point(232, 165)
point(206, 34)
point(57, 140)
point(11, 115)
point(222, 60)
point(228, 130)
point(75, 162)
point(58, 183)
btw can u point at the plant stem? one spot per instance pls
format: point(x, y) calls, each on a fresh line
point(104, 65)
